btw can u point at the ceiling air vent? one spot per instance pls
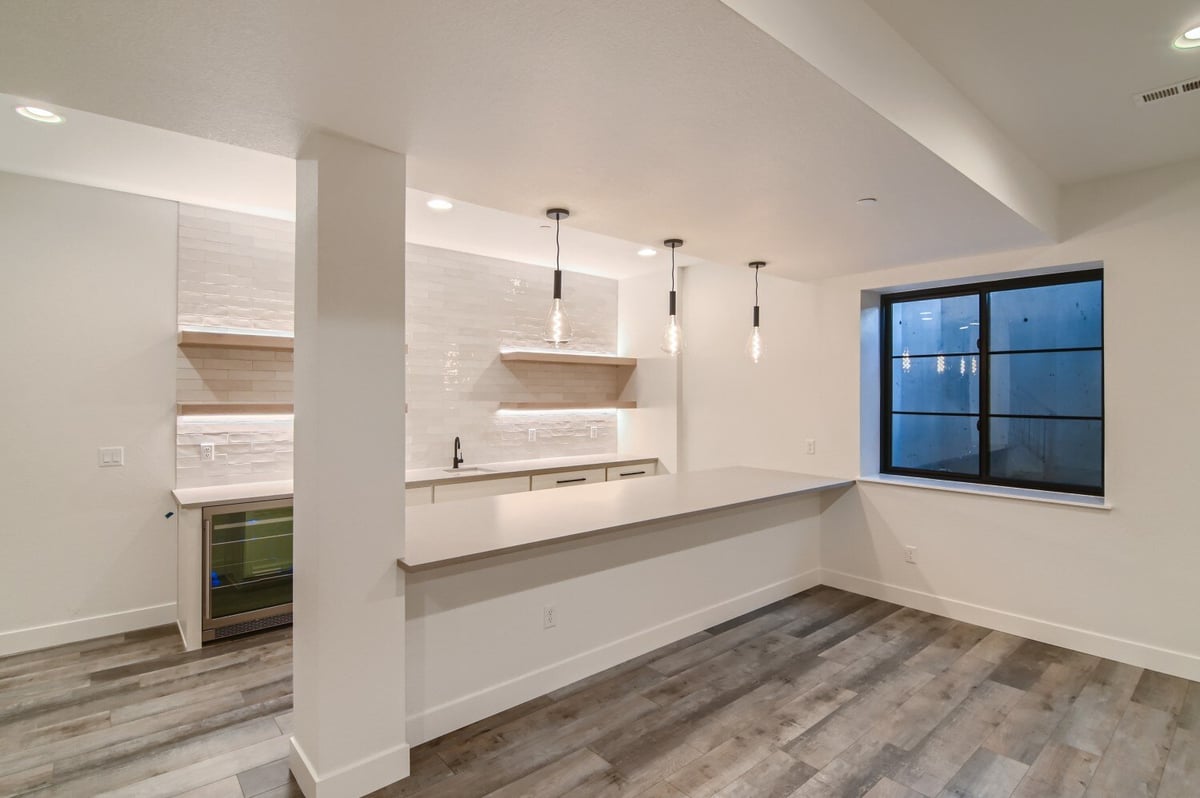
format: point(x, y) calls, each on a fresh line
point(1167, 92)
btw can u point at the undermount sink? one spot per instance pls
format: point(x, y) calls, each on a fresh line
point(468, 470)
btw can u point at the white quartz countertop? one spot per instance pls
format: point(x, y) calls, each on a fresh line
point(440, 534)
point(229, 494)
point(416, 478)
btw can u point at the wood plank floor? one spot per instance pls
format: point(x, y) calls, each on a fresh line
point(823, 694)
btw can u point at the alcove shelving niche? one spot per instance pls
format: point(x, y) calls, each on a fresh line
point(622, 368)
point(235, 343)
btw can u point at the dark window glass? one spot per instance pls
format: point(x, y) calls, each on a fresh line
point(1047, 383)
point(939, 384)
point(936, 326)
point(1046, 317)
point(1054, 451)
point(948, 444)
point(1026, 410)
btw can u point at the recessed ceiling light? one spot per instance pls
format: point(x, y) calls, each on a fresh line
point(647, 252)
point(439, 204)
point(39, 114)
point(867, 200)
point(1189, 39)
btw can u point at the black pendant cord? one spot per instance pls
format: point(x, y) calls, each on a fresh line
point(557, 255)
point(671, 296)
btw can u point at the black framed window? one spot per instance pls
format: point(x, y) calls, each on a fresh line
point(1000, 383)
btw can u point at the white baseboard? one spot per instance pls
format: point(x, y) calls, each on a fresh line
point(1175, 663)
point(460, 712)
point(350, 781)
point(17, 641)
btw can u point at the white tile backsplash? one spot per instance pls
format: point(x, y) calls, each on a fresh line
point(461, 310)
point(236, 272)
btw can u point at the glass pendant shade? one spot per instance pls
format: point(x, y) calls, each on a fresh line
point(558, 326)
point(672, 342)
point(754, 345)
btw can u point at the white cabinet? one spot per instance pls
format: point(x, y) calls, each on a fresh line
point(479, 487)
point(415, 496)
point(631, 471)
point(566, 479)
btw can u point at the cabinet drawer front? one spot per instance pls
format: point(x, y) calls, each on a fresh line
point(415, 496)
point(631, 471)
point(566, 479)
point(479, 487)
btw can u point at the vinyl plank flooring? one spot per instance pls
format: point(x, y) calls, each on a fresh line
point(946, 650)
point(1091, 721)
point(556, 778)
point(711, 772)
point(986, 775)
point(1060, 771)
point(1181, 775)
point(825, 694)
point(1037, 714)
point(940, 755)
point(778, 775)
point(1132, 765)
point(886, 788)
point(1160, 691)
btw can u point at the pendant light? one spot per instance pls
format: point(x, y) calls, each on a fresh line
point(672, 342)
point(754, 345)
point(558, 326)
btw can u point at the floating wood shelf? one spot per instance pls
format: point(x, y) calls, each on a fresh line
point(285, 343)
point(574, 358)
point(233, 408)
point(614, 405)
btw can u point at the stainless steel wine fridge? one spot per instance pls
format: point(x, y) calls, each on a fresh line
point(247, 567)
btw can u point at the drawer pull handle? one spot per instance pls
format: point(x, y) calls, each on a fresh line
point(632, 473)
point(576, 479)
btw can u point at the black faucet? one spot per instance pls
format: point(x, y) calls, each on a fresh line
point(458, 458)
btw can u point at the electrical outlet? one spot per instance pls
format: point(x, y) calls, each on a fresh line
point(810, 445)
point(594, 433)
point(110, 456)
point(549, 617)
point(910, 555)
point(532, 435)
point(208, 452)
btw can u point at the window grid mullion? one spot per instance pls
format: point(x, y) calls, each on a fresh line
point(984, 345)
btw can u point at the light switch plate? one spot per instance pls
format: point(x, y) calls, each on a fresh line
point(532, 435)
point(111, 456)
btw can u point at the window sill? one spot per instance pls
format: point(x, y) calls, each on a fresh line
point(997, 491)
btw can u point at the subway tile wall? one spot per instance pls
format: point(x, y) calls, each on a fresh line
point(221, 374)
point(460, 311)
point(248, 449)
point(236, 271)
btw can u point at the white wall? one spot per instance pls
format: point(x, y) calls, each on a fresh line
point(87, 339)
point(736, 412)
point(476, 643)
point(1121, 583)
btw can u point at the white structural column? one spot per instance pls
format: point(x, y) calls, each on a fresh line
point(349, 469)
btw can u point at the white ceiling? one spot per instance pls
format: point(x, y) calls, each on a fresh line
point(1058, 77)
point(95, 150)
point(676, 117)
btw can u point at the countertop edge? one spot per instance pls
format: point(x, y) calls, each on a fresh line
point(500, 473)
point(835, 484)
